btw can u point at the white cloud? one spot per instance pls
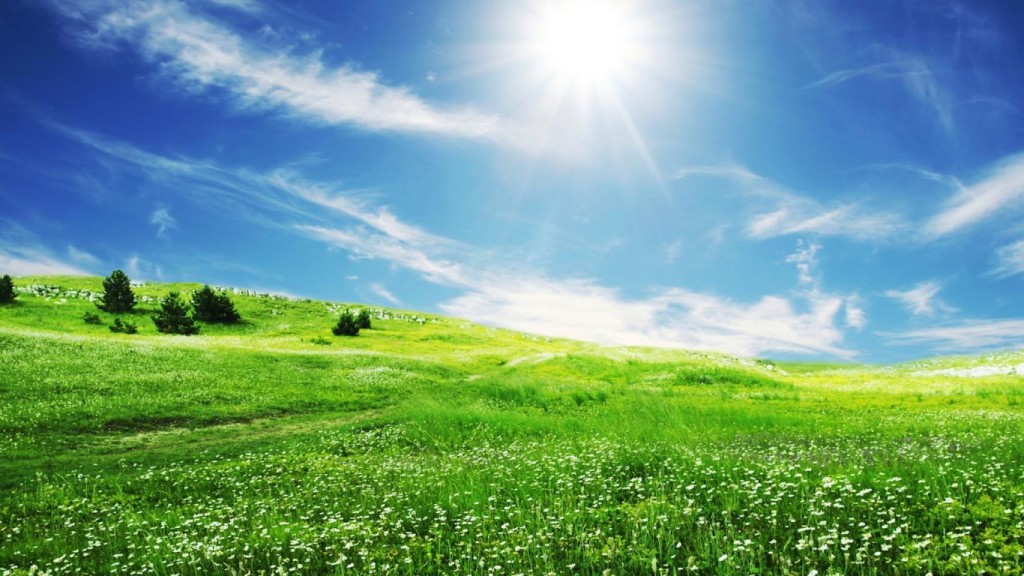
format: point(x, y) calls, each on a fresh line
point(805, 258)
point(913, 72)
point(856, 318)
point(82, 257)
point(1001, 191)
point(921, 300)
point(579, 308)
point(132, 266)
point(1010, 260)
point(23, 254)
point(163, 221)
point(494, 290)
point(965, 336)
point(804, 216)
point(383, 292)
point(138, 268)
point(674, 318)
point(673, 251)
point(363, 243)
point(250, 6)
point(35, 261)
point(778, 211)
point(200, 54)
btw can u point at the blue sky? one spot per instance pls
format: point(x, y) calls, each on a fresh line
point(793, 179)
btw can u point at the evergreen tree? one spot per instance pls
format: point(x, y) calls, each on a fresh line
point(118, 297)
point(346, 325)
point(123, 327)
point(7, 293)
point(214, 308)
point(363, 319)
point(173, 316)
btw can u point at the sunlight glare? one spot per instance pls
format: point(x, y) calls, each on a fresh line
point(585, 41)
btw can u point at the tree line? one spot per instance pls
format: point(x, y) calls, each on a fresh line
point(177, 315)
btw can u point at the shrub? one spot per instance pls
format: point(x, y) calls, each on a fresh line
point(346, 325)
point(363, 319)
point(173, 316)
point(118, 297)
point(92, 318)
point(214, 308)
point(7, 293)
point(123, 327)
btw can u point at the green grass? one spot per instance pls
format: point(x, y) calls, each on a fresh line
point(431, 445)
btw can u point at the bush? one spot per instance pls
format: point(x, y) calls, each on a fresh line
point(118, 297)
point(346, 325)
point(214, 308)
point(7, 293)
point(92, 318)
point(363, 319)
point(123, 327)
point(173, 316)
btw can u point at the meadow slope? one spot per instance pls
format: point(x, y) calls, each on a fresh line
point(431, 445)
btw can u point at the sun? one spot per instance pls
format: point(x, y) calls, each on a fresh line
point(585, 42)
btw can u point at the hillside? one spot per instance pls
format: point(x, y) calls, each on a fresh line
point(431, 445)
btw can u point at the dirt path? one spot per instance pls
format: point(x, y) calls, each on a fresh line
point(533, 359)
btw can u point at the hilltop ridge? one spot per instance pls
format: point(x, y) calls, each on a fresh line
point(278, 322)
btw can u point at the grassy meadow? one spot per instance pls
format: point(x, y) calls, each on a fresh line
point(431, 445)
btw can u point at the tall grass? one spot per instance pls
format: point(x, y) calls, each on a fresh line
point(440, 447)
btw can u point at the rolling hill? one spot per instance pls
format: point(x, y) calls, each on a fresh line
point(432, 445)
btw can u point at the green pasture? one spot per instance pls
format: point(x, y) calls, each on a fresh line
point(431, 445)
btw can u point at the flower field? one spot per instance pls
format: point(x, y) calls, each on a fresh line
point(429, 445)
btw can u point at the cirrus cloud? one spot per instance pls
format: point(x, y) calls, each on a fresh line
point(199, 53)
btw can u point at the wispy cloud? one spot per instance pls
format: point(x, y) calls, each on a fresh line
point(250, 6)
point(493, 289)
point(1000, 191)
point(805, 259)
point(498, 294)
point(383, 292)
point(856, 317)
point(966, 336)
point(22, 253)
point(807, 217)
point(673, 251)
point(921, 300)
point(163, 221)
point(422, 259)
point(200, 53)
point(138, 268)
point(253, 195)
point(675, 318)
point(35, 261)
point(912, 71)
point(1009, 260)
point(947, 181)
point(779, 211)
point(82, 257)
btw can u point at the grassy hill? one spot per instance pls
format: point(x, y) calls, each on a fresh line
point(431, 445)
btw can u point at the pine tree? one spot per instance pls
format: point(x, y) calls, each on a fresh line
point(214, 308)
point(7, 293)
point(363, 319)
point(123, 327)
point(173, 316)
point(346, 325)
point(118, 297)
